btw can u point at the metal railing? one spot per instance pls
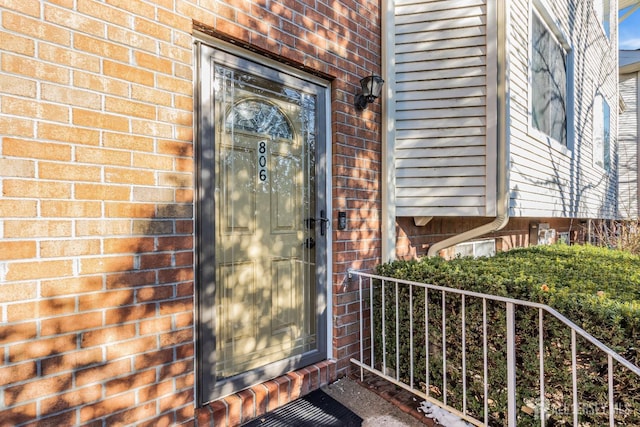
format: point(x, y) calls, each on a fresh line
point(400, 340)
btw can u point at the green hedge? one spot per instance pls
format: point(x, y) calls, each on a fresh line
point(598, 289)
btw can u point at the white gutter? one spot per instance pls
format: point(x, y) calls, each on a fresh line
point(497, 11)
point(388, 133)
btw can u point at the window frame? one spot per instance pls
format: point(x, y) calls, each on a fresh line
point(601, 114)
point(542, 12)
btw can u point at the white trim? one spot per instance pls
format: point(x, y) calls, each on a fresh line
point(388, 227)
point(329, 204)
point(491, 137)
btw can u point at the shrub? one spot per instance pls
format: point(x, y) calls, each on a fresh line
point(597, 288)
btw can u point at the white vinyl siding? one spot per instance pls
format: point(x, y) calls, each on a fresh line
point(546, 178)
point(445, 99)
point(628, 152)
point(441, 107)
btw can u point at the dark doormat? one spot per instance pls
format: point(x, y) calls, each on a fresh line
point(317, 409)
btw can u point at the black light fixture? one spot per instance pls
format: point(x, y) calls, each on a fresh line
point(371, 88)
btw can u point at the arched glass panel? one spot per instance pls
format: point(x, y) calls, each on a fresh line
point(260, 117)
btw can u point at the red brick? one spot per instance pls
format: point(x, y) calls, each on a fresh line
point(68, 57)
point(97, 374)
point(130, 279)
point(70, 209)
point(129, 176)
point(154, 358)
point(36, 150)
point(176, 306)
point(38, 270)
point(176, 368)
point(36, 389)
point(261, 399)
point(103, 300)
point(128, 73)
point(36, 189)
point(16, 85)
point(130, 108)
point(185, 382)
point(71, 286)
point(67, 248)
point(93, 227)
point(17, 373)
point(234, 408)
point(175, 275)
point(14, 126)
point(155, 391)
point(36, 29)
point(101, 192)
point(19, 249)
point(155, 293)
point(98, 83)
point(131, 38)
point(107, 406)
point(131, 347)
point(155, 325)
point(108, 335)
point(219, 412)
point(132, 416)
point(75, 398)
point(176, 400)
point(130, 382)
point(173, 338)
point(104, 12)
point(17, 168)
point(247, 410)
point(74, 323)
point(31, 109)
point(98, 120)
point(153, 62)
point(73, 20)
point(100, 47)
point(128, 245)
point(35, 69)
point(12, 208)
point(66, 172)
point(73, 361)
point(19, 414)
point(37, 309)
point(106, 264)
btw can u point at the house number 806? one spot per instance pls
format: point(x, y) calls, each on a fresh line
point(262, 161)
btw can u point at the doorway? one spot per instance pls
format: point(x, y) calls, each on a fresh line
point(262, 227)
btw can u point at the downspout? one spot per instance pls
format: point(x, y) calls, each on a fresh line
point(498, 11)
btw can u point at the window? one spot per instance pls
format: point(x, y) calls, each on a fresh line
point(548, 82)
point(478, 248)
point(601, 133)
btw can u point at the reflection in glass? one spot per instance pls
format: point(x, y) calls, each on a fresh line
point(548, 83)
point(265, 189)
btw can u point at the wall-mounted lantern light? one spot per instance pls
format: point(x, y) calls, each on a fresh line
point(371, 88)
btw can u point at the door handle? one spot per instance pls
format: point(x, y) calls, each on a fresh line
point(324, 222)
point(310, 223)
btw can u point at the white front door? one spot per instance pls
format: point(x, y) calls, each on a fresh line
point(262, 236)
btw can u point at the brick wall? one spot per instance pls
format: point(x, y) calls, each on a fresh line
point(96, 184)
point(414, 241)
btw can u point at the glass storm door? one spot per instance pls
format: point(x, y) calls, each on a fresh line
point(264, 234)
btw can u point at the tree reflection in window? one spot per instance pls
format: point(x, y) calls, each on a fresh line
point(259, 117)
point(549, 83)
